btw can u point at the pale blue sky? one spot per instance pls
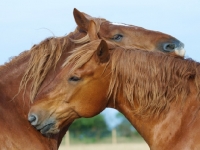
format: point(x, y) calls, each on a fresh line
point(24, 23)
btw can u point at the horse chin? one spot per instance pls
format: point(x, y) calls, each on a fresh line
point(50, 131)
point(54, 128)
point(47, 127)
point(53, 125)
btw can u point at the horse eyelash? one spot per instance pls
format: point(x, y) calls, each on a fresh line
point(74, 78)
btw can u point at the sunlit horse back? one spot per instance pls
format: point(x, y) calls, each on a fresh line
point(159, 94)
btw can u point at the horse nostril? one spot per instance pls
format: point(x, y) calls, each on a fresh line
point(169, 47)
point(33, 119)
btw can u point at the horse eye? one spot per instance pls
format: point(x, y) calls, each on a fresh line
point(117, 37)
point(74, 78)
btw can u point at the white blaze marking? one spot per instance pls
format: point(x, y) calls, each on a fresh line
point(119, 24)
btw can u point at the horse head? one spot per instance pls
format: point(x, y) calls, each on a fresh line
point(127, 35)
point(68, 97)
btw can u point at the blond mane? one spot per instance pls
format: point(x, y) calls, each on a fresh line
point(43, 57)
point(81, 55)
point(150, 80)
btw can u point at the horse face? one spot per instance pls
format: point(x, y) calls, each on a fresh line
point(129, 35)
point(71, 94)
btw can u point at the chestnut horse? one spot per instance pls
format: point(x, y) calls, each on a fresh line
point(32, 71)
point(158, 94)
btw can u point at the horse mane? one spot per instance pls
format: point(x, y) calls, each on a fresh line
point(43, 58)
point(150, 80)
point(81, 55)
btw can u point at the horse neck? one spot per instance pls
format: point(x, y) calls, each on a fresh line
point(163, 132)
point(139, 123)
point(14, 108)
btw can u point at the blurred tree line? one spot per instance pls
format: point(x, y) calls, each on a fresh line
point(97, 128)
point(89, 127)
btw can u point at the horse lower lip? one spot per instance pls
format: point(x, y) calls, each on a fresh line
point(46, 128)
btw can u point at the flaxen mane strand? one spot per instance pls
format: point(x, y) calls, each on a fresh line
point(151, 80)
point(44, 57)
point(81, 55)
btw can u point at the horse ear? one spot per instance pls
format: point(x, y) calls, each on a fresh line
point(82, 20)
point(102, 52)
point(92, 31)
